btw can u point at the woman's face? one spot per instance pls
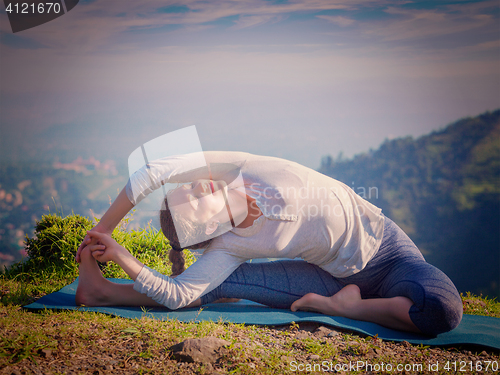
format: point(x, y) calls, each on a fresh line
point(199, 201)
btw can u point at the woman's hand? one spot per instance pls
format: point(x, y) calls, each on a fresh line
point(104, 249)
point(87, 240)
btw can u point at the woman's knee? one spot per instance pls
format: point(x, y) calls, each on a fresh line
point(437, 305)
point(438, 310)
point(439, 313)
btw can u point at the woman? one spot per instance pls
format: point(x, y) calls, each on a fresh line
point(355, 263)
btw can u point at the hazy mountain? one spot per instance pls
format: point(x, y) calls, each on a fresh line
point(443, 189)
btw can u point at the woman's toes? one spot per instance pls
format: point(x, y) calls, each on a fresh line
point(340, 304)
point(309, 302)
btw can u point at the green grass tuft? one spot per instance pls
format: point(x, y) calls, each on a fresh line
point(479, 305)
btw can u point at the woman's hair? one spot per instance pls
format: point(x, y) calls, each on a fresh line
point(191, 231)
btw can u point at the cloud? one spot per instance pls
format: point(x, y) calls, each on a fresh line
point(92, 25)
point(493, 45)
point(411, 24)
point(339, 20)
point(252, 21)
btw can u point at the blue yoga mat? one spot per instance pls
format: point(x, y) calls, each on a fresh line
point(473, 330)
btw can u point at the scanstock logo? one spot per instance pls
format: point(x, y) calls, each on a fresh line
point(27, 14)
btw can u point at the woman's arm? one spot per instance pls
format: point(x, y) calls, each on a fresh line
point(208, 272)
point(200, 278)
point(116, 212)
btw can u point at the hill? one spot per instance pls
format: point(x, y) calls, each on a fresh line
point(443, 189)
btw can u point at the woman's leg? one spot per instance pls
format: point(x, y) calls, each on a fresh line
point(400, 290)
point(388, 312)
point(94, 290)
point(437, 306)
point(397, 288)
point(277, 284)
point(302, 286)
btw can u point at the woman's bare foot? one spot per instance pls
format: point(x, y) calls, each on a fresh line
point(340, 304)
point(389, 312)
point(94, 290)
point(91, 282)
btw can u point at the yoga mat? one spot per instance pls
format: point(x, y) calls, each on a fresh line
point(473, 330)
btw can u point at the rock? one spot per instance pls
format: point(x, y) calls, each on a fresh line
point(322, 332)
point(198, 350)
point(47, 353)
point(313, 357)
point(308, 326)
point(406, 344)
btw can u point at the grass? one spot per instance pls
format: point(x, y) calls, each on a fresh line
point(479, 305)
point(86, 342)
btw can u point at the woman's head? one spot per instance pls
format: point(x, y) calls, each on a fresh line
point(174, 221)
point(168, 227)
point(195, 213)
point(199, 201)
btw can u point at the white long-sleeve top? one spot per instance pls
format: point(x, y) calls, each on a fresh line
point(305, 215)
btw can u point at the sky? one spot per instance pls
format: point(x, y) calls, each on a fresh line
point(297, 79)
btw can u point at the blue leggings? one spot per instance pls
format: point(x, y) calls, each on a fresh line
point(398, 269)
